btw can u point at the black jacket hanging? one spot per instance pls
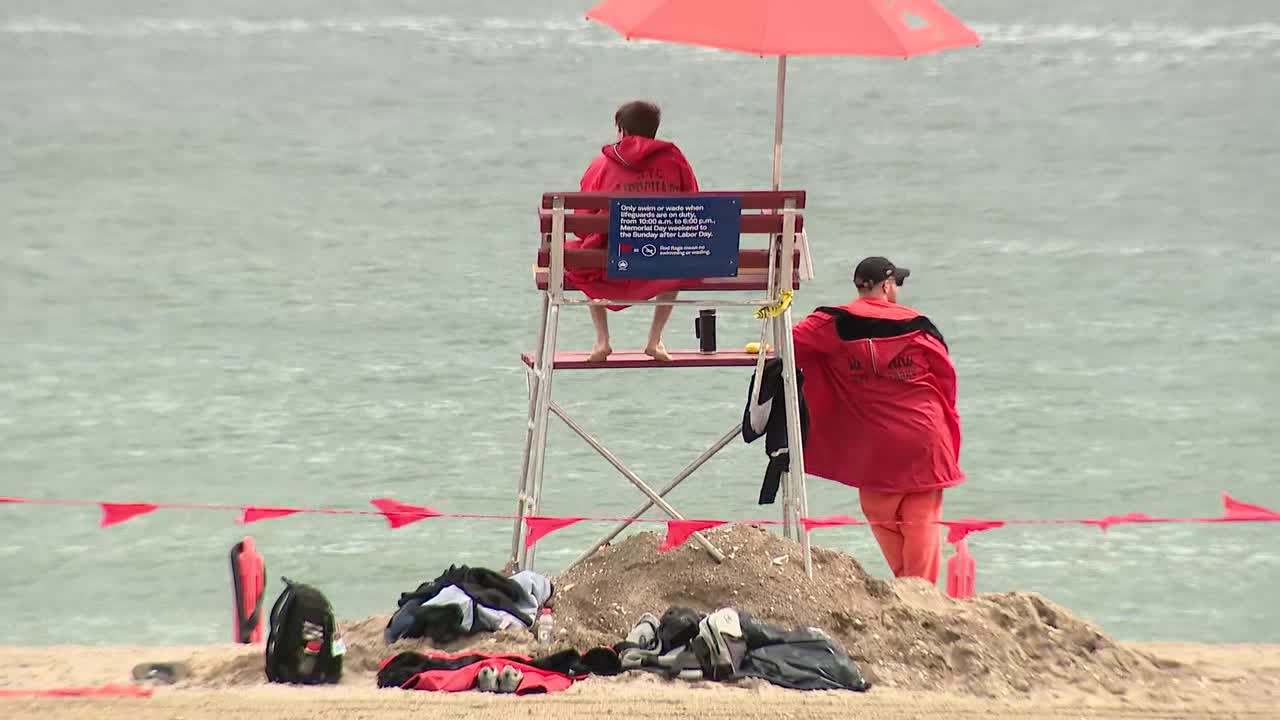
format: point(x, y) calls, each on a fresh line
point(769, 419)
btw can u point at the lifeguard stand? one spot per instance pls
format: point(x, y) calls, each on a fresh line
point(772, 272)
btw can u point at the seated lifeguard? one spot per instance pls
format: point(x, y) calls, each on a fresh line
point(636, 163)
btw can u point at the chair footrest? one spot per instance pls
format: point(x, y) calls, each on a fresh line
point(579, 360)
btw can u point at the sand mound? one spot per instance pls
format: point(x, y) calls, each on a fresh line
point(903, 633)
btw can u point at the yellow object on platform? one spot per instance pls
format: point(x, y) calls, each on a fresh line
point(776, 309)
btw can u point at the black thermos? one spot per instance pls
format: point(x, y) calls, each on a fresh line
point(704, 328)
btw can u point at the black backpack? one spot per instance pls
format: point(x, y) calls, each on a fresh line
point(303, 646)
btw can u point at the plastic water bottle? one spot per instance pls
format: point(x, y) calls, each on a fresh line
point(544, 627)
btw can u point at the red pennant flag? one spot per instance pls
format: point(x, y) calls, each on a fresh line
point(10, 500)
point(113, 513)
point(399, 514)
point(679, 530)
point(1236, 510)
point(254, 514)
point(958, 530)
point(540, 527)
point(811, 524)
point(1106, 522)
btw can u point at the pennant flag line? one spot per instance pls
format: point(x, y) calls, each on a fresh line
point(540, 527)
point(1108, 521)
point(1235, 510)
point(116, 513)
point(399, 514)
point(958, 530)
point(680, 530)
point(254, 514)
point(811, 524)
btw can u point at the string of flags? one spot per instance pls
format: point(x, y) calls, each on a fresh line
point(398, 514)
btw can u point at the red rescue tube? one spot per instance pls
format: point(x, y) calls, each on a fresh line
point(248, 582)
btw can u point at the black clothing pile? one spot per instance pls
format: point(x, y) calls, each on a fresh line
point(466, 600)
point(728, 644)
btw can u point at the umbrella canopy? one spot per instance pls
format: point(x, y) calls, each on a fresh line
point(896, 28)
point(893, 28)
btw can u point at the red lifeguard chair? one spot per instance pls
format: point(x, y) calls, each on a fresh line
point(771, 272)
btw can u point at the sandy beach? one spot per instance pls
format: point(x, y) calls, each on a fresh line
point(999, 655)
point(1231, 682)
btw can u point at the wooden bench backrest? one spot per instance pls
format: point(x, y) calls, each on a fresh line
point(756, 220)
point(753, 201)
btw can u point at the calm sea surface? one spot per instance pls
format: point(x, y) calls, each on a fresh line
point(278, 253)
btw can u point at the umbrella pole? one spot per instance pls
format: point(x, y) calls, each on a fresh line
point(777, 122)
point(775, 243)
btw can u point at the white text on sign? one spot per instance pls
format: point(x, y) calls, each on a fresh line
point(681, 223)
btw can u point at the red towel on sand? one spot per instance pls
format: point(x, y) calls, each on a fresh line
point(462, 679)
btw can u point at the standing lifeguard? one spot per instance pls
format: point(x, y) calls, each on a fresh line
point(636, 163)
point(881, 392)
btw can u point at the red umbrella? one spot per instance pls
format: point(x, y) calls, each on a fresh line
point(892, 28)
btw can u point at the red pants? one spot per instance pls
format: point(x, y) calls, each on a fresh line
point(914, 548)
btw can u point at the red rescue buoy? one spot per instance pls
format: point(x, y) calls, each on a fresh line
point(248, 583)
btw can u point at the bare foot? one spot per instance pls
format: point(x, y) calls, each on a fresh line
point(599, 354)
point(658, 352)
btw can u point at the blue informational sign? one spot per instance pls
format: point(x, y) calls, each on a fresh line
point(674, 237)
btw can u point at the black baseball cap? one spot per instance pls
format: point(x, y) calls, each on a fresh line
point(875, 270)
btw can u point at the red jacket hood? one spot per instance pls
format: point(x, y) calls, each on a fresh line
point(635, 151)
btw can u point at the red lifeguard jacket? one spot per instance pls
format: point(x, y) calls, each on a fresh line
point(881, 392)
point(634, 164)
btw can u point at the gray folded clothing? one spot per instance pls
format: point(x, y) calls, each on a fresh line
point(646, 645)
point(645, 634)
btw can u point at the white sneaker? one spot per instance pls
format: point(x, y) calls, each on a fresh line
point(510, 679)
point(487, 679)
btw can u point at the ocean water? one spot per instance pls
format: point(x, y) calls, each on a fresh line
point(278, 253)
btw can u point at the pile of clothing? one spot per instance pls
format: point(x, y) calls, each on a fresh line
point(726, 645)
point(464, 600)
point(729, 644)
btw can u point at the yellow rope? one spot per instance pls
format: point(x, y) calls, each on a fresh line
point(776, 309)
